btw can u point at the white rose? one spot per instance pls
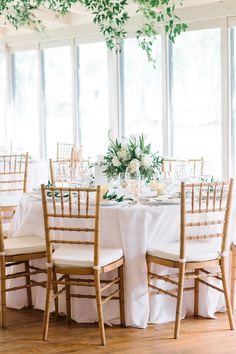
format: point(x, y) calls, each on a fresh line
point(146, 160)
point(137, 152)
point(116, 162)
point(122, 154)
point(134, 165)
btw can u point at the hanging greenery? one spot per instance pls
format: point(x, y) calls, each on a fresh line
point(111, 16)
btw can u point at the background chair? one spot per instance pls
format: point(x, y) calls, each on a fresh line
point(73, 249)
point(76, 156)
point(13, 183)
point(19, 251)
point(193, 167)
point(60, 171)
point(203, 244)
point(64, 151)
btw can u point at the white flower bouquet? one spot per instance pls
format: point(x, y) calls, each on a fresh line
point(132, 153)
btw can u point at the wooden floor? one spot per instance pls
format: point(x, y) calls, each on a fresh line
point(198, 336)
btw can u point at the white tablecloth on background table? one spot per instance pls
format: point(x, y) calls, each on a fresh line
point(133, 229)
point(37, 174)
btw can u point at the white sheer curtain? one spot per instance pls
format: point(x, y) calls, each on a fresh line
point(142, 97)
point(196, 97)
point(25, 134)
point(58, 97)
point(2, 101)
point(93, 98)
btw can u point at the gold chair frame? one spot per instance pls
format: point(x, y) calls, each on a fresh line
point(60, 210)
point(214, 202)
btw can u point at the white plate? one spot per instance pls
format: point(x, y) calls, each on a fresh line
point(173, 201)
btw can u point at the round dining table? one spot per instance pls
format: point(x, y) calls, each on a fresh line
point(133, 228)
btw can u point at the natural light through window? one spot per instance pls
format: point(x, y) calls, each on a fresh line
point(196, 97)
point(2, 100)
point(142, 93)
point(25, 120)
point(58, 97)
point(93, 98)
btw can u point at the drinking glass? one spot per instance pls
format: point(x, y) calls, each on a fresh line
point(133, 180)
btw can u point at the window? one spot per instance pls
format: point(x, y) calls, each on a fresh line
point(2, 100)
point(233, 98)
point(142, 99)
point(58, 96)
point(93, 98)
point(196, 97)
point(25, 102)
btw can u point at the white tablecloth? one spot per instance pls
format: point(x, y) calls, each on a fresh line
point(37, 174)
point(133, 229)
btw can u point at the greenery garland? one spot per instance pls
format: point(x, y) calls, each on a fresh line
point(111, 16)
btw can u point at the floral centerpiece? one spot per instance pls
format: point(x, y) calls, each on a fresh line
point(133, 153)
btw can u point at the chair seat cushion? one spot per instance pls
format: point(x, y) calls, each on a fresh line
point(24, 245)
point(82, 256)
point(195, 251)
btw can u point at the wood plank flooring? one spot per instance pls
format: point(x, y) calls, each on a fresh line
point(198, 336)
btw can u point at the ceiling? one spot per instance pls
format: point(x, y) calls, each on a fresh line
point(78, 15)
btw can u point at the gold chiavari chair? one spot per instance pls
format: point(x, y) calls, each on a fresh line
point(203, 244)
point(73, 250)
point(13, 181)
point(59, 171)
point(196, 167)
point(64, 151)
point(76, 156)
point(168, 168)
point(19, 251)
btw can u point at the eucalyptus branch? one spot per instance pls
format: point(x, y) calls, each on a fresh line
point(111, 17)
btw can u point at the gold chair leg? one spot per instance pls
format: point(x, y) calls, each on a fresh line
point(28, 289)
point(179, 299)
point(233, 277)
point(148, 272)
point(196, 293)
point(55, 289)
point(99, 306)
point(47, 304)
point(226, 293)
point(68, 299)
point(3, 294)
point(121, 297)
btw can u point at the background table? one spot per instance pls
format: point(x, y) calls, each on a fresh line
point(37, 174)
point(133, 229)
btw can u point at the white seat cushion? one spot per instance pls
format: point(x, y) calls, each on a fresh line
point(196, 250)
point(24, 245)
point(82, 256)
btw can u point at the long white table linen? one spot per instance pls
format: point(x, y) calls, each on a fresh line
point(133, 229)
point(38, 173)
